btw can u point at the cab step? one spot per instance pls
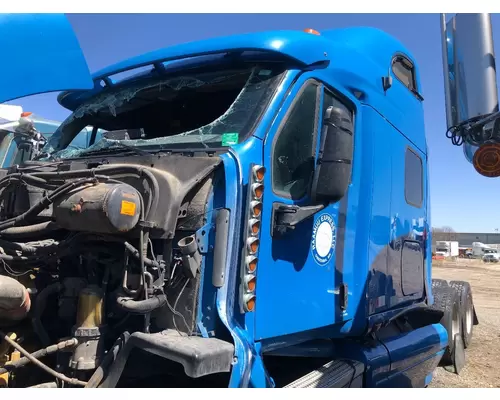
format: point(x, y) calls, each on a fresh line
point(334, 374)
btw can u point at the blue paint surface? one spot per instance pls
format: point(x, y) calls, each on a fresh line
point(47, 56)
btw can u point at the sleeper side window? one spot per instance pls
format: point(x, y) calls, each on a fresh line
point(414, 179)
point(295, 145)
point(404, 71)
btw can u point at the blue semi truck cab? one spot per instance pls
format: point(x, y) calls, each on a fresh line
point(256, 215)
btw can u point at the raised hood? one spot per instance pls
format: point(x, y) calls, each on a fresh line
point(40, 54)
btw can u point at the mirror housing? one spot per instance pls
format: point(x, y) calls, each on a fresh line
point(332, 174)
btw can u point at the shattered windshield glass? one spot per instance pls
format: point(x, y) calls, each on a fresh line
point(194, 109)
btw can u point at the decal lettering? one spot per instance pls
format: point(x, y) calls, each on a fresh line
point(324, 238)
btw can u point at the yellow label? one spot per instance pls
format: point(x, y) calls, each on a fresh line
point(128, 208)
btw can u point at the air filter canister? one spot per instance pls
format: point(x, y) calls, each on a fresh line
point(103, 208)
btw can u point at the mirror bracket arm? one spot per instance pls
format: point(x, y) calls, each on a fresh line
point(285, 216)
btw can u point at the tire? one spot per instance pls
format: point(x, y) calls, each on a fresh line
point(437, 283)
point(466, 309)
point(446, 300)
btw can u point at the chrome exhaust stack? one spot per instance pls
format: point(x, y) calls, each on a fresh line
point(470, 83)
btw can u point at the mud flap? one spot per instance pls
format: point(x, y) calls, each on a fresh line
point(458, 356)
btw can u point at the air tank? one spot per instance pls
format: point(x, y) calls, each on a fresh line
point(469, 67)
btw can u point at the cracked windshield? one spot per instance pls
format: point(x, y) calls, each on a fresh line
point(209, 108)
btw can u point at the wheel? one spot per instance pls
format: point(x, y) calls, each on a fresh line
point(466, 309)
point(436, 283)
point(446, 300)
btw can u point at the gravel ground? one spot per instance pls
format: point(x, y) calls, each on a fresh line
point(482, 368)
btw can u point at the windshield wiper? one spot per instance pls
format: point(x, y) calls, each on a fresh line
point(117, 147)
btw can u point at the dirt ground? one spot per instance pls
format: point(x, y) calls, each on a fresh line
point(482, 368)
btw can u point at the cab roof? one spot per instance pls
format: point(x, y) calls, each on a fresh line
point(339, 49)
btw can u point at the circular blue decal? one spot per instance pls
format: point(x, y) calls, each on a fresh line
point(323, 239)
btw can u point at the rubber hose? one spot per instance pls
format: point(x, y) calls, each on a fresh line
point(29, 230)
point(46, 201)
point(40, 304)
point(23, 248)
point(38, 363)
point(136, 254)
point(141, 306)
point(39, 354)
point(101, 370)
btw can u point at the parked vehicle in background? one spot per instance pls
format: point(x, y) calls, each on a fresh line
point(447, 248)
point(464, 252)
point(491, 257)
point(480, 249)
point(24, 134)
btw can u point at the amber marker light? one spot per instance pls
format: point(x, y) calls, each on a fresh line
point(251, 263)
point(254, 226)
point(252, 245)
point(258, 173)
point(256, 208)
point(257, 191)
point(312, 31)
point(249, 302)
point(250, 283)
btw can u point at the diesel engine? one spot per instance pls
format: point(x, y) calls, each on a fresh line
point(98, 259)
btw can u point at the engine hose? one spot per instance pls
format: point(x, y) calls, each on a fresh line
point(6, 257)
point(30, 179)
point(46, 201)
point(39, 354)
point(20, 232)
point(134, 252)
point(40, 304)
point(111, 355)
point(141, 306)
point(38, 363)
point(12, 246)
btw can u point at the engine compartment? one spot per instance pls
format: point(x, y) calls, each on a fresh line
point(96, 254)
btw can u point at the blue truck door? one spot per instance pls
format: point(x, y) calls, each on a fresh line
point(297, 278)
point(408, 252)
point(43, 56)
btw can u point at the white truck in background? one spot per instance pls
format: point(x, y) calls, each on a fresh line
point(447, 248)
point(480, 249)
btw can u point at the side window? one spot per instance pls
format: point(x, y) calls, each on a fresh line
point(414, 179)
point(404, 70)
point(294, 148)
